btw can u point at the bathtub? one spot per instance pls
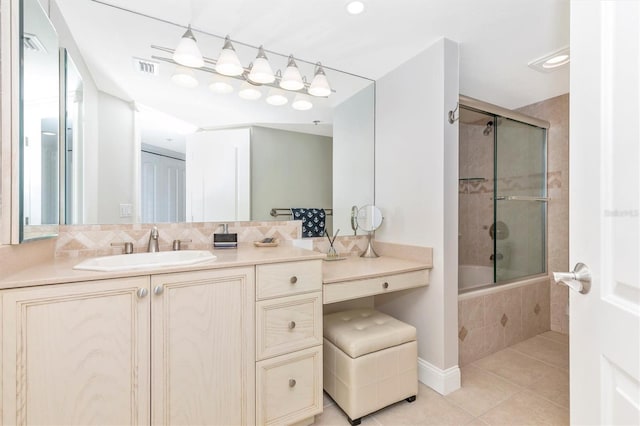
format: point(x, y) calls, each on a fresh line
point(471, 276)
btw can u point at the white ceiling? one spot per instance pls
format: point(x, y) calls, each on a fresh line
point(497, 39)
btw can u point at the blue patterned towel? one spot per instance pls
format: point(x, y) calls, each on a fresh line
point(313, 221)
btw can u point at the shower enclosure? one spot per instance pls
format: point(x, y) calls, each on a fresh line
point(502, 195)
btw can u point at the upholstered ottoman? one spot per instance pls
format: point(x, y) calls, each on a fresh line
point(370, 361)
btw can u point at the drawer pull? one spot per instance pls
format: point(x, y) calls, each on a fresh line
point(385, 285)
point(292, 325)
point(142, 292)
point(293, 279)
point(292, 383)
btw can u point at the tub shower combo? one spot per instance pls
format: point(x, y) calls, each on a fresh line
point(502, 196)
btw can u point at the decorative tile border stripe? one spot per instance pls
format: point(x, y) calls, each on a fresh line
point(345, 246)
point(554, 180)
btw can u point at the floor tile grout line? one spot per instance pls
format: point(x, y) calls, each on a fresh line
point(536, 358)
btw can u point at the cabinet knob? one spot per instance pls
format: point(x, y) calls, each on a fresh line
point(292, 382)
point(158, 289)
point(293, 279)
point(385, 285)
point(292, 325)
point(142, 292)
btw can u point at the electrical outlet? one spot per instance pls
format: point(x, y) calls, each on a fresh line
point(126, 210)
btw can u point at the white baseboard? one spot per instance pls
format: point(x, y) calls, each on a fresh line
point(441, 381)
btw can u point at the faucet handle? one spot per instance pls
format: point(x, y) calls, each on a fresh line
point(177, 244)
point(127, 246)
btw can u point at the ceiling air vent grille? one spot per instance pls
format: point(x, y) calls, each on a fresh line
point(32, 42)
point(146, 67)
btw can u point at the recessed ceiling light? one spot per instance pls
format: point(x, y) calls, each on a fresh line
point(355, 7)
point(552, 61)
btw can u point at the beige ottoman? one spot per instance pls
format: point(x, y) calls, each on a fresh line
point(370, 361)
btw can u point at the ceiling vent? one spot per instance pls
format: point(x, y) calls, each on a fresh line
point(146, 67)
point(32, 43)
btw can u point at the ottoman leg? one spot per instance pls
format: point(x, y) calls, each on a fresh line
point(411, 398)
point(354, 422)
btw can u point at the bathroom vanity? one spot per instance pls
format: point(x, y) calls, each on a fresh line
point(234, 341)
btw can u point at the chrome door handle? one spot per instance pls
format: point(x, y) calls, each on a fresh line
point(578, 280)
point(142, 292)
point(158, 289)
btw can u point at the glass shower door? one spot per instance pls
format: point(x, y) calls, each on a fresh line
point(520, 228)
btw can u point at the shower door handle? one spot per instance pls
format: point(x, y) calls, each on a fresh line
point(577, 280)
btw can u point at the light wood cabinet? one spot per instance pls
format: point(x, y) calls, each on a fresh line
point(289, 342)
point(76, 354)
point(203, 353)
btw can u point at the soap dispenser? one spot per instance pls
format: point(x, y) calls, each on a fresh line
point(224, 239)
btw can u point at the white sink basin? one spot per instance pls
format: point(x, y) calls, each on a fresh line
point(124, 262)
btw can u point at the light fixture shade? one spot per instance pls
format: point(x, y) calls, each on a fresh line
point(276, 97)
point(187, 53)
point(302, 102)
point(185, 77)
point(320, 84)
point(291, 79)
point(228, 62)
point(220, 85)
point(261, 71)
point(249, 91)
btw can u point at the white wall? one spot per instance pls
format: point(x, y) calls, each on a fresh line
point(353, 157)
point(417, 191)
point(118, 159)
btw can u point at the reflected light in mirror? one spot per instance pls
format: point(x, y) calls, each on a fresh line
point(249, 91)
point(301, 102)
point(276, 97)
point(228, 62)
point(292, 79)
point(220, 86)
point(187, 53)
point(261, 71)
point(184, 77)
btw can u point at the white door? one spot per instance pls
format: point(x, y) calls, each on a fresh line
point(604, 218)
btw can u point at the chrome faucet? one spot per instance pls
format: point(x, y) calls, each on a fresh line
point(153, 241)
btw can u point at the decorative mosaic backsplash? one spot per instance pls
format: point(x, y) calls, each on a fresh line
point(510, 184)
point(96, 240)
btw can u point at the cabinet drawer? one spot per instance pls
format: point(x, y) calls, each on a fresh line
point(289, 387)
point(288, 324)
point(347, 290)
point(288, 278)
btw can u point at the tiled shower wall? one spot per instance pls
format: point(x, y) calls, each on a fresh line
point(556, 111)
point(534, 308)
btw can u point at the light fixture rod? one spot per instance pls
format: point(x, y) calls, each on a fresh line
point(241, 77)
point(223, 37)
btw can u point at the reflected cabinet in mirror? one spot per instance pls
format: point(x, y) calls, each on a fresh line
point(145, 140)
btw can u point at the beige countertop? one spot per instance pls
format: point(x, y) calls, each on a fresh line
point(355, 267)
point(61, 270)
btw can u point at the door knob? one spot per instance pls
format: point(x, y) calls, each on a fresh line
point(577, 280)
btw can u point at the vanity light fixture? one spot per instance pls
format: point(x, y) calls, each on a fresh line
point(319, 85)
point(249, 91)
point(228, 62)
point(187, 53)
point(291, 78)
point(220, 85)
point(302, 102)
point(276, 97)
point(552, 61)
point(355, 7)
point(261, 71)
point(185, 77)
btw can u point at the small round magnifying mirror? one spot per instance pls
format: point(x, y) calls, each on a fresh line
point(369, 219)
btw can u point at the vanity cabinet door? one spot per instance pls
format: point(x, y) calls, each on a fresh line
point(203, 348)
point(76, 354)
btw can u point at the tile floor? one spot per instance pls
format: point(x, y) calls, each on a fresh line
point(524, 384)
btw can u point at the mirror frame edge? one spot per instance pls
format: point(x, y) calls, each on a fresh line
point(10, 132)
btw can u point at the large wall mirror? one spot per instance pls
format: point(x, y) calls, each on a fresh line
point(145, 141)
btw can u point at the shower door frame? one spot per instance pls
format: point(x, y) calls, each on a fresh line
point(490, 109)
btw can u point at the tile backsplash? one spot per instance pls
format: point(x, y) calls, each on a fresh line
point(96, 240)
